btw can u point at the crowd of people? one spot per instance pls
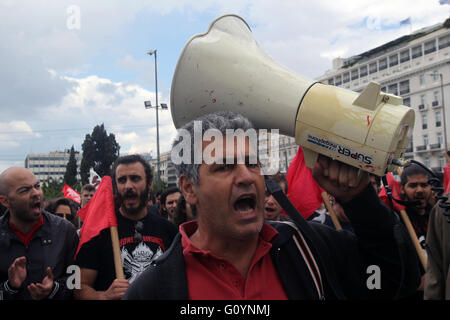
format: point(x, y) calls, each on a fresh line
point(222, 235)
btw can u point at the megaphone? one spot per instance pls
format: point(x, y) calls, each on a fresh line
point(225, 69)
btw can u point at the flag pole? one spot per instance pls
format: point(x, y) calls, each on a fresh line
point(330, 209)
point(116, 251)
point(412, 233)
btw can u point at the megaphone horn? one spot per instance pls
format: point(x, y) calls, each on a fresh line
point(225, 69)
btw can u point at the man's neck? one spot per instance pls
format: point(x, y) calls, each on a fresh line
point(23, 226)
point(238, 252)
point(138, 216)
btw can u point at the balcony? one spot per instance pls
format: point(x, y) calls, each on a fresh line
point(421, 148)
point(421, 107)
point(409, 150)
point(435, 104)
point(435, 146)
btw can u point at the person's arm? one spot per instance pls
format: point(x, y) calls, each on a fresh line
point(87, 292)
point(382, 239)
point(434, 286)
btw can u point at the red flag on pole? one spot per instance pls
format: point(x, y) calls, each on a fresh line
point(71, 194)
point(447, 178)
point(99, 213)
point(396, 189)
point(303, 191)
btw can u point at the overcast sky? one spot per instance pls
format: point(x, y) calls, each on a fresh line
point(67, 66)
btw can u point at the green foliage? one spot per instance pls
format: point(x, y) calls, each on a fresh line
point(70, 177)
point(100, 150)
point(52, 188)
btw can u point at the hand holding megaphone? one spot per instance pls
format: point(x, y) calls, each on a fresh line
point(342, 181)
point(225, 69)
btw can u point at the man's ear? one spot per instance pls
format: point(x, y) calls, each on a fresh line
point(4, 201)
point(187, 188)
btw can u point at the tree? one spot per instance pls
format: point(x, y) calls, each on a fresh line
point(70, 177)
point(52, 188)
point(100, 150)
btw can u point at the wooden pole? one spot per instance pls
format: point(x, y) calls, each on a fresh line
point(116, 251)
point(412, 233)
point(326, 201)
point(415, 240)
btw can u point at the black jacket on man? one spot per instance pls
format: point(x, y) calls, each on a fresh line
point(53, 245)
point(345, 260)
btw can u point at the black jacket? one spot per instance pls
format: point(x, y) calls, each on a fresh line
point(343, 259)
point(53, 245)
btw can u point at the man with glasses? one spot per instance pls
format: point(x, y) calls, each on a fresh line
point(143, 236)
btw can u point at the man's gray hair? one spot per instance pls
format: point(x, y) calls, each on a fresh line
point(220, 121)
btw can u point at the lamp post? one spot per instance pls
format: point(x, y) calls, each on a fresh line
point(163, 106)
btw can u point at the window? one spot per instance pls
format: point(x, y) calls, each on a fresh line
point(444, 42)
point(435, 98)
point(416, 52)
point(373, 68)
point(346, 77)
point(423, 99)
point(435, 75)
point(422, 79)
point(404, 87)
point(382, 64)
point(393, 60)
point(425, 139)
point(354, 74)
point(393, 88)
point(440, 140)
point(438, 117)
point(331, 81)
point(442, 161)
point(430, 46)
point(427, 161)
point(407, 102)
point(363, 71)
point(424, 121)
point(338, 80)
point(404, 56)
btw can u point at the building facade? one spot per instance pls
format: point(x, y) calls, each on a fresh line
point(415, 67)
point(51, 165)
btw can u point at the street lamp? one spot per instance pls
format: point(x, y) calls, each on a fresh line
point(443, 108)
point(148, 105)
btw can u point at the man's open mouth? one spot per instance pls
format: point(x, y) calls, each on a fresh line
point(269, 209)
point(245, 204)
point(36, 206)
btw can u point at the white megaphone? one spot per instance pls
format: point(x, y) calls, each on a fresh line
point(225, 69)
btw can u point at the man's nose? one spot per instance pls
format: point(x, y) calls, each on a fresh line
point(244, 175)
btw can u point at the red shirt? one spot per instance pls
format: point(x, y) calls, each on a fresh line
point(212, 278)
point(26, 238)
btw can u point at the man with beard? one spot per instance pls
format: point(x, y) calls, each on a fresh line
point(169, 199)
point(36, 247)
point(417, 191)
point(143, 236)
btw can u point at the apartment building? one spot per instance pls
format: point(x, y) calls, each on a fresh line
point(51, 165)
point(417, 68)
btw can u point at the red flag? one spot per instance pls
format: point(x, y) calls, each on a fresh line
point(71, 194)
point(99, 213)
point(396, 188)
point(303, 191)
point(447, 178)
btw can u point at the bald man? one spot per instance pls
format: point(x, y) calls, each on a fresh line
point(36, 247)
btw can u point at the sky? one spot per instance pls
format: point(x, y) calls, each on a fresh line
point(67, 66)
